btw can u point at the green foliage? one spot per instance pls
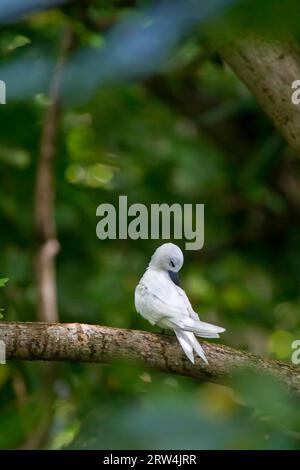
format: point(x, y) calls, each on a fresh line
point(3, 281)
point(172, 414)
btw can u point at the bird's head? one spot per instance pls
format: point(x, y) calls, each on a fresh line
point(168, 256)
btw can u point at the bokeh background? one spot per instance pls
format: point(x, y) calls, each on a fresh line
point(149, 110)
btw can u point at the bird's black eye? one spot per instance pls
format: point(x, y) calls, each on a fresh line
point(172, 264)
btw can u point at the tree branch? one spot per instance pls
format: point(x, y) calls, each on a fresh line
point(268, 68)
point(92, 343)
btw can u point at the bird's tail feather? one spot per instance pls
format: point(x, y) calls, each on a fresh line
point(185, 344)
point(200, 328)
point(190, 344)
point(207, 335)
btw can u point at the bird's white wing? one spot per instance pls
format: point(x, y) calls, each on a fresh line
point(188, 304)
point(160, 301)
point(157, 309)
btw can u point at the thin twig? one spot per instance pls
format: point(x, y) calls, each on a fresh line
point(45, 195)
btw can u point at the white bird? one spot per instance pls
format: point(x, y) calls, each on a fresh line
point(160, 300)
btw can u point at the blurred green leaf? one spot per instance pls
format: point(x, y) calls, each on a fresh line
point(3, 281)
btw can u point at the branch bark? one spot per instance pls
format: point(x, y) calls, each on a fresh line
point(268, 68)
point(92, 343)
